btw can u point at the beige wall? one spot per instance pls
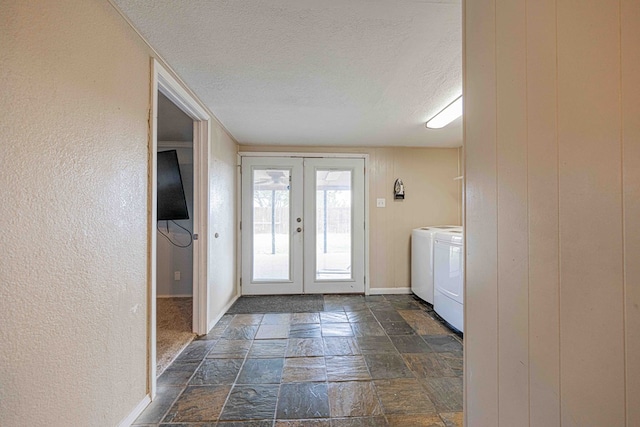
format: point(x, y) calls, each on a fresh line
point(223, 160)
point(552, 107)
point(432, 198)
point(74, 178)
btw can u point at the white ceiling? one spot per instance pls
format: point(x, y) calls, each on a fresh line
point(316, 72)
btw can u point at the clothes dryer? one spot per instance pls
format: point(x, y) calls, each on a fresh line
point(448, 277)
point(422, 259)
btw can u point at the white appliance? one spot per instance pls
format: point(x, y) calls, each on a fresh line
point(448, 277)
point(422, 259)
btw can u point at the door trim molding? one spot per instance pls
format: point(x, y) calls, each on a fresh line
point(364, 156)
point(163, 81)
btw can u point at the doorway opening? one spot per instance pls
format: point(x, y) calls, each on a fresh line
point(174, 266)
point(177, 268)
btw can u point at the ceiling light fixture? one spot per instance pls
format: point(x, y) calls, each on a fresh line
point(447, 115)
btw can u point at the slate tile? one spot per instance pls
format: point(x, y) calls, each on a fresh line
point(367, 329)
point(305, 330)
point(231, 349)
point(246, 319)
point(353, 399)
point(298, 318)
point(198, 403)
point(403, 396)
point(303, 401)
point(453, 361)
point(240, 332)
point(261, 371)
point(397, 328)
point(301, 369)
point(377, 421)
point(333, 317)
point(410, 344)
point(268, 348)
point(376, 345)
point(383, 366)
point(336, 330)
point(266, 331)
point(452, 419)
point(251, 402)
point(415, 421)
point(153, 414)
point(443, 343)
point(445, 392)
point(346, 368)
point(340, 346)
point(178, 374)
point(422, 323)
point(303, 423)
point(427, 365)
point(305, 347)
point(195, 351)
point(217, 371)
point(361, 316)
point(276, 319)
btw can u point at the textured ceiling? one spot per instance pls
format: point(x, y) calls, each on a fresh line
point(316, 72)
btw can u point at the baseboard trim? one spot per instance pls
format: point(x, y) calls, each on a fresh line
point(175, 296)
point(389, 291)
point(222, 313)
point(129, 419)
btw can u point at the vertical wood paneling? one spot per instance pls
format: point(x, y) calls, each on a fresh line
point(592, 373)
point(544, 322)
point(513, 296)
point(481, 322)
point(630, 19)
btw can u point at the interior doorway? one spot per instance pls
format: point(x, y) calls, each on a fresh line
point(165, 86)
point(303, 225)
point(174, 266)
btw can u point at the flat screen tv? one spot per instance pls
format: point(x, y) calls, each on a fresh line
point(172, 203)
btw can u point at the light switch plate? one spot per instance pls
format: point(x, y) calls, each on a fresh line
point(381, 203)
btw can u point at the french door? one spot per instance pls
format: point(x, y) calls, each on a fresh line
point(302, 225)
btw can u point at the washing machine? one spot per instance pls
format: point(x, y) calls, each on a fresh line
point(448, 277)
point(422, 259)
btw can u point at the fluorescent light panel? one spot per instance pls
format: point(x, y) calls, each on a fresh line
point(447, 115)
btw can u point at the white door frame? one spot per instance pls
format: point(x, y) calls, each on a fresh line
point(163, 81)
point(311, 155)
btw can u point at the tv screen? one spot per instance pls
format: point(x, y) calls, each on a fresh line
point(172, 203)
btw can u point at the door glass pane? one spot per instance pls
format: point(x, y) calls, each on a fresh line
point(333, 224)
point(271, 207)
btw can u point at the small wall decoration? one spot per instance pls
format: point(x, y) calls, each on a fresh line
point(398, 190)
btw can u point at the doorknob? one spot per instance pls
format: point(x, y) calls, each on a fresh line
point(299, 229)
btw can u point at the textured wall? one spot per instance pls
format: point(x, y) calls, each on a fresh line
point(552, 148)
point(432, 198)
point(73, 174)
point(222, 220)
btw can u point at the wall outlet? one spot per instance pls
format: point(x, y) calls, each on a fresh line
point(381, 203)
point(176, 275)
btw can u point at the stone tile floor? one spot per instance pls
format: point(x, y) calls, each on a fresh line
point(363, 361)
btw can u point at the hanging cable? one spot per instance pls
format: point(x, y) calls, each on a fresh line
point(166, 236)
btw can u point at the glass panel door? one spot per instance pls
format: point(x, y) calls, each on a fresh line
point(333, 224)
point(286, 252)
point(271, 237)
point(334, 204)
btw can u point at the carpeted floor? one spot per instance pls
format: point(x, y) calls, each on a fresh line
point(174, 317)
point(277, 304)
